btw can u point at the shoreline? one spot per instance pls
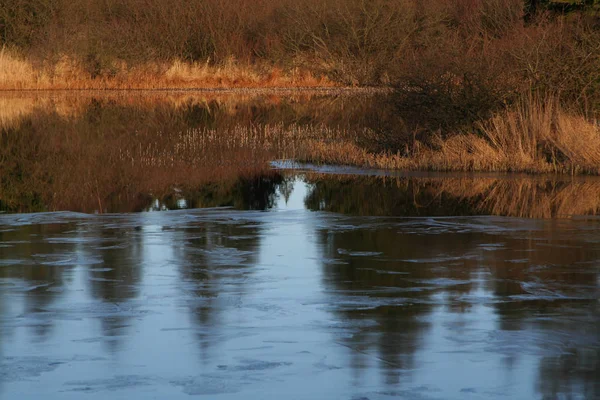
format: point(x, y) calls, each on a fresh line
point(332, 90)
point(353, 170)
point(536, 138)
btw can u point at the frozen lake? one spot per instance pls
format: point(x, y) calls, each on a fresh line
point(293, 303)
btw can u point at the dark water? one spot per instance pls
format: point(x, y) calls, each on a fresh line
point(313, 284)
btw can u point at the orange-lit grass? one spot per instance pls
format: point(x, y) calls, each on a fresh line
point(536, 136)
point(17, 73)
point(79, 164)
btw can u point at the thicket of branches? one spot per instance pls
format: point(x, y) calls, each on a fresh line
point(473, 53)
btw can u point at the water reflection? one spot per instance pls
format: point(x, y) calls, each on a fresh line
point(214, 262)
point(400, 275)
point(246, 193)
point(114, 153)
point(574, 374)
point(37, 270)
point(115, 279)
point(244, 303)
point(538, 282)
point(452, 195)
point(121, 152)
point(367, 286)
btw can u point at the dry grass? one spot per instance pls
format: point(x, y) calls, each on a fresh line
point(16, 73)
point(120, 151)
point(122, 146)
point(469, 56)
point(117, 164)
point(125, 144)
point(540, 130)
point(537, 136)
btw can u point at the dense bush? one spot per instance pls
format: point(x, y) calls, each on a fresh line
point(459, 59)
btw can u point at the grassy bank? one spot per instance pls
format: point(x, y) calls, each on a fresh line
point(130, 148)
point(18, 73)
point(206, 133)
point(489, 85)
point(533, 136)
point(483, 50)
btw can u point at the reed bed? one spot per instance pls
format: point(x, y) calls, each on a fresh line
point(17, 73)
point(536, 136)
point(112, 148)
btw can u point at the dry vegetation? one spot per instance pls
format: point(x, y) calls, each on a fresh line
point(533, 136)
point(476, 52)
point(117, 164)
point(122, 148)
point(479, 85)
point(18, 73)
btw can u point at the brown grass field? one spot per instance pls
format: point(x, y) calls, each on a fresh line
point(536, 136)
point(17, 73)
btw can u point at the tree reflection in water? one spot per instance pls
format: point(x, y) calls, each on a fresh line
point(392, 279)
point(39, 270)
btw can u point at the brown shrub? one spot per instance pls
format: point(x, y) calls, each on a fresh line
point(465, 57)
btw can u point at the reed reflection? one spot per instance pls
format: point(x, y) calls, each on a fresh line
point(571, 374)
point(214, 263)
point(40, 266)
point(215, 260)
point(116, 280)
point(401, 274)
point(548, 282)
point(515, 196)
point(117, 153)
point(541, 284)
